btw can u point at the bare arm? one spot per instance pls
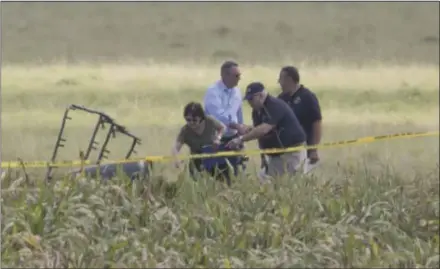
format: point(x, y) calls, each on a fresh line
point(175, 151)
point(177, 147)
point(241, 128)
point(178, 144)
point(316, 118)
point(316, 132)
point(220, 128)
point(257, 132)
point(266, 126)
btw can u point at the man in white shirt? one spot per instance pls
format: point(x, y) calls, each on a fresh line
point(223, 100)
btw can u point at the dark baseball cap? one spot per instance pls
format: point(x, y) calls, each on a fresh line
point(253, 88)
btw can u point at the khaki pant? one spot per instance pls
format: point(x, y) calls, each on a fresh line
point(289, 163)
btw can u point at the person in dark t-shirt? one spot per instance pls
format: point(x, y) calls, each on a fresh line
point(276, 127)
point(306, 106)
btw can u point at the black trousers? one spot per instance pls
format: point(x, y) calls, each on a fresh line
point(220, 172)
point(243, 158)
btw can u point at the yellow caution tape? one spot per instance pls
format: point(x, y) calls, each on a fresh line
point(363, 140)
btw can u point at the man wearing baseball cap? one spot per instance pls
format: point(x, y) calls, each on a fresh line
point(276, 127)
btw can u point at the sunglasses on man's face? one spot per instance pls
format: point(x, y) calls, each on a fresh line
point(235, 75)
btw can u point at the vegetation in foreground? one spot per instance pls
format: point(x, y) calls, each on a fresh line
point(355, 218)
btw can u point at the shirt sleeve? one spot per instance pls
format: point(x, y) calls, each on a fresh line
point(314, 107)
point(213, 106)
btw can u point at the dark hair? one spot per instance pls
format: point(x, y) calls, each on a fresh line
point(194, 109)
point(227, 65)
point(291, 72)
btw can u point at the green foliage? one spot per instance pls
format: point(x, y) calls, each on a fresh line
point(356, 219)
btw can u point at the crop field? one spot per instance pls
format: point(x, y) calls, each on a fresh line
point(373, 66)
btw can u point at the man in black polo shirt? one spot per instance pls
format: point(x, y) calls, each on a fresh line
point(275, 126)
point(305, 104)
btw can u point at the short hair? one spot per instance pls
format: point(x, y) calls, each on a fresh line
point(227, 65)
point(291, 72)
point(194, 109)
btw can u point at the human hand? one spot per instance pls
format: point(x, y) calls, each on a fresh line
point(216, 143)
point(216, 140)
point(177, 163)
point(233, 125)
point(234, 143)
point(241, 128)
point(312, 155)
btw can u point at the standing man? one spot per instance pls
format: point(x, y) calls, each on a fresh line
point(223, 99)
point(305, 104)
point(276, 127)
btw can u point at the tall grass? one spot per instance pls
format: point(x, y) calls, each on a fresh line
point(351, 219)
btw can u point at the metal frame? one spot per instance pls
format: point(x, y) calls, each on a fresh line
point(103, 120)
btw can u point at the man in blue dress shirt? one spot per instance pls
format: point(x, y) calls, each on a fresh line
point(223, 100)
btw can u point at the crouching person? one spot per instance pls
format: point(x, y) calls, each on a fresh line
point(202, 134)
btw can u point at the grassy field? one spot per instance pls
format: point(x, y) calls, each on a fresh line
point(374, 67)
point(254, 33)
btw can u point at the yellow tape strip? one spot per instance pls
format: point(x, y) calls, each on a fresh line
point(363, 140)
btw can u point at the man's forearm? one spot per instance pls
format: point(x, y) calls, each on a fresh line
point(176, 148)
point(220, 133)
point(241, 128)
point(247, 128)
point(256, 132)
point(316, 133)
